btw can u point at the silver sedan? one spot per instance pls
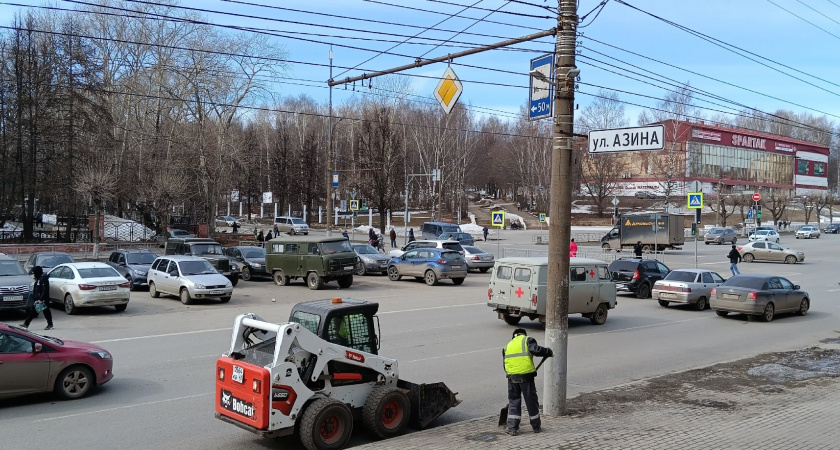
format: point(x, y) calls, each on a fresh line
point(85, 284)
point(478, 259)
point(692, 286)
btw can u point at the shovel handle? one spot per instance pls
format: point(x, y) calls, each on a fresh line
point(541, 363)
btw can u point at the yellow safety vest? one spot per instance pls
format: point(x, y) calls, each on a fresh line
point(518, 360)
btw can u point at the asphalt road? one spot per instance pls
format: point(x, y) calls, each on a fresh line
point(164, 352)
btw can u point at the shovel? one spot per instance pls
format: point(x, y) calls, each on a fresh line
point(504, 413)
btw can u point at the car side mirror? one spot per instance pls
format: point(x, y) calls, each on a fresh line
point(122, 264)
point(402, 257)
point(796, 287)
point(37, 347)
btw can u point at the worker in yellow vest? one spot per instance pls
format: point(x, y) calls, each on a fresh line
point(518, 356)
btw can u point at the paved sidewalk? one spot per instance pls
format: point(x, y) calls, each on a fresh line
point(802, 412)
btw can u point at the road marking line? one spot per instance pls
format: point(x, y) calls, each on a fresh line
point(125, 407)
point(160, 335)
point(431, 308)
point(570, 337)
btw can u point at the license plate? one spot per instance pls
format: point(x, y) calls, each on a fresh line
point(348, 267)
point(667, 295)
point(12, 298)
point(215, 292)
point(731, 296)
point(238, 374)
point(456, 266)
point(107, 288)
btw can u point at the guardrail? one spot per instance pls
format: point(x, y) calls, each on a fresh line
point(583, 252)
point(578, 237)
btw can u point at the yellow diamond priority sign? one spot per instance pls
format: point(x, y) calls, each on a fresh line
point(448, 90)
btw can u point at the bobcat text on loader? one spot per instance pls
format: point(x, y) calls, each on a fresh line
point(318, 375)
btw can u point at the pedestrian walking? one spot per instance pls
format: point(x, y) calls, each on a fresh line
point(256, 232)
point(268, 236)
point(572, 248)
point(393, 236)
point(40, 299)
point(637, 249)
point(734, 258)
point(260, 236)
point(518, 357)
point(276, 230)
point(371, 237)
point(411, 235)
point(485, 231)
point(235, 227)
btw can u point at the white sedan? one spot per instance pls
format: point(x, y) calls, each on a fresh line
point(85, 284)
point(765, 236)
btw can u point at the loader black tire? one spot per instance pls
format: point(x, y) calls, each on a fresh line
point(386, 412)
point(326, 424)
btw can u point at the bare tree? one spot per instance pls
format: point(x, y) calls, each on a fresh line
point(777, 204)
point(599, 177)
point(99, 184)
point(806, 202)
point(821, 202)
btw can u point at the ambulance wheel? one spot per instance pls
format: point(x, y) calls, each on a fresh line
point(325, 425)
point(512, 320)
point(600, 314)
point(386, 412)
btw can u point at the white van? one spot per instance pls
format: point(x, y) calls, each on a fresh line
point(291, 225)
point(518, 289)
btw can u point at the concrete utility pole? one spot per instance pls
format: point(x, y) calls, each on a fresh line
point(559, 230)
point(330, 202)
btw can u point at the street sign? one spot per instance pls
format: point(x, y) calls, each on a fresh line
point(435, 174)
point(748, 221)
point(354, 205)
point(335, 179)
point(497, 218)
point(695, 200)
point(651, 137)
point(267, 197)
point(749, 213)
point(756, 197)
point(448, 90)
point(615, 201)
point(542, 217)
point(541, 92)
point(695, 186)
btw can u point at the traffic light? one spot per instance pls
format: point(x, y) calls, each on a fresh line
point(697, 215)
point(615, 211)
point(364, 204)
point(694, 229)
point(758, 212)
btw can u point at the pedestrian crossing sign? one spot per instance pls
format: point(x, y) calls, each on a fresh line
point(498, 218)
point(695, 200)
point(354, 205)
point(542, 217)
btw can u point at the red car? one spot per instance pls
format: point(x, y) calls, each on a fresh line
point(31, 363)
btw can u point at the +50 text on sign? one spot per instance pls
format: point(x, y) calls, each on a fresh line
point(649, 137)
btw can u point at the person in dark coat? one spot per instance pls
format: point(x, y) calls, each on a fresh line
point(485, 231)
point(41, 298)
point(393, 236)
point(235, 227)
point(637, 250)
point(268, 236)
point(260, 236)
point(411, 235)
point(518, 356)
point(371, 237)
point(734, 258)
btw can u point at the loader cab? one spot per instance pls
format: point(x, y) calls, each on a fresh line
point(348, 322)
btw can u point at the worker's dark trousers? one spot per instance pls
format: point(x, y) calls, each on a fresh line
point(31, 314)
point(516, 391)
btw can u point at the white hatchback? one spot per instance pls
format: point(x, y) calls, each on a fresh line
point(85, 284)
point(188, 277)
point(765, 236)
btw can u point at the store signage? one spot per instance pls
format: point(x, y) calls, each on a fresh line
point(707, 135)
point(785, 147)
point(749, 142)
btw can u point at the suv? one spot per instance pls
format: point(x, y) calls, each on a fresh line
point(637, 275)
point(14, 284)
point(291, 225)
point(317, 260)
point(720, 235)
point(431, 230)
point(47, 260)
point(133, 265)
point(448, 245)
point(208, 249)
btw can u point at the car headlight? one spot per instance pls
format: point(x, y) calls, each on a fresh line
point(256, 265)
point(368, 260)
point(139, 272)
point(200, 286)
point(227, 285)
point(101, 354)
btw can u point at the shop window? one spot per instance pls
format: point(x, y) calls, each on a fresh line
point(802, 167)
point(819, 169)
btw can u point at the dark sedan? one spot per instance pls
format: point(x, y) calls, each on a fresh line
point(133, 265)
point(251, 261)
point(759, 296)
point(47, 260)
point(370, 260)
point(33, 363)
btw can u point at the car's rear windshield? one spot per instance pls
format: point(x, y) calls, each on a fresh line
point(473, 250)
point(679, 275)
point(143, 258)
point(9, 268)
point(450, 228)
point(450, 255)
point(254, 253)
point(744, 282)
point(98, 272)
point(453, 246)
point(623, 265)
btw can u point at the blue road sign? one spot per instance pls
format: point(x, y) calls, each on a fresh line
point(749, 213)
point(542, 217)
point(541, 92)
point(335, 179)
point(498, 218)
point(354, 205)
point(695, 200)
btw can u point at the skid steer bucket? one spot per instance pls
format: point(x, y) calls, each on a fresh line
point(428, 401)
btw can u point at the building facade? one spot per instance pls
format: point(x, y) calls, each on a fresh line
point(727, 159)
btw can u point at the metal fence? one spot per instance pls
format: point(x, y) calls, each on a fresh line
point(578, 237)
point(583, 252)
